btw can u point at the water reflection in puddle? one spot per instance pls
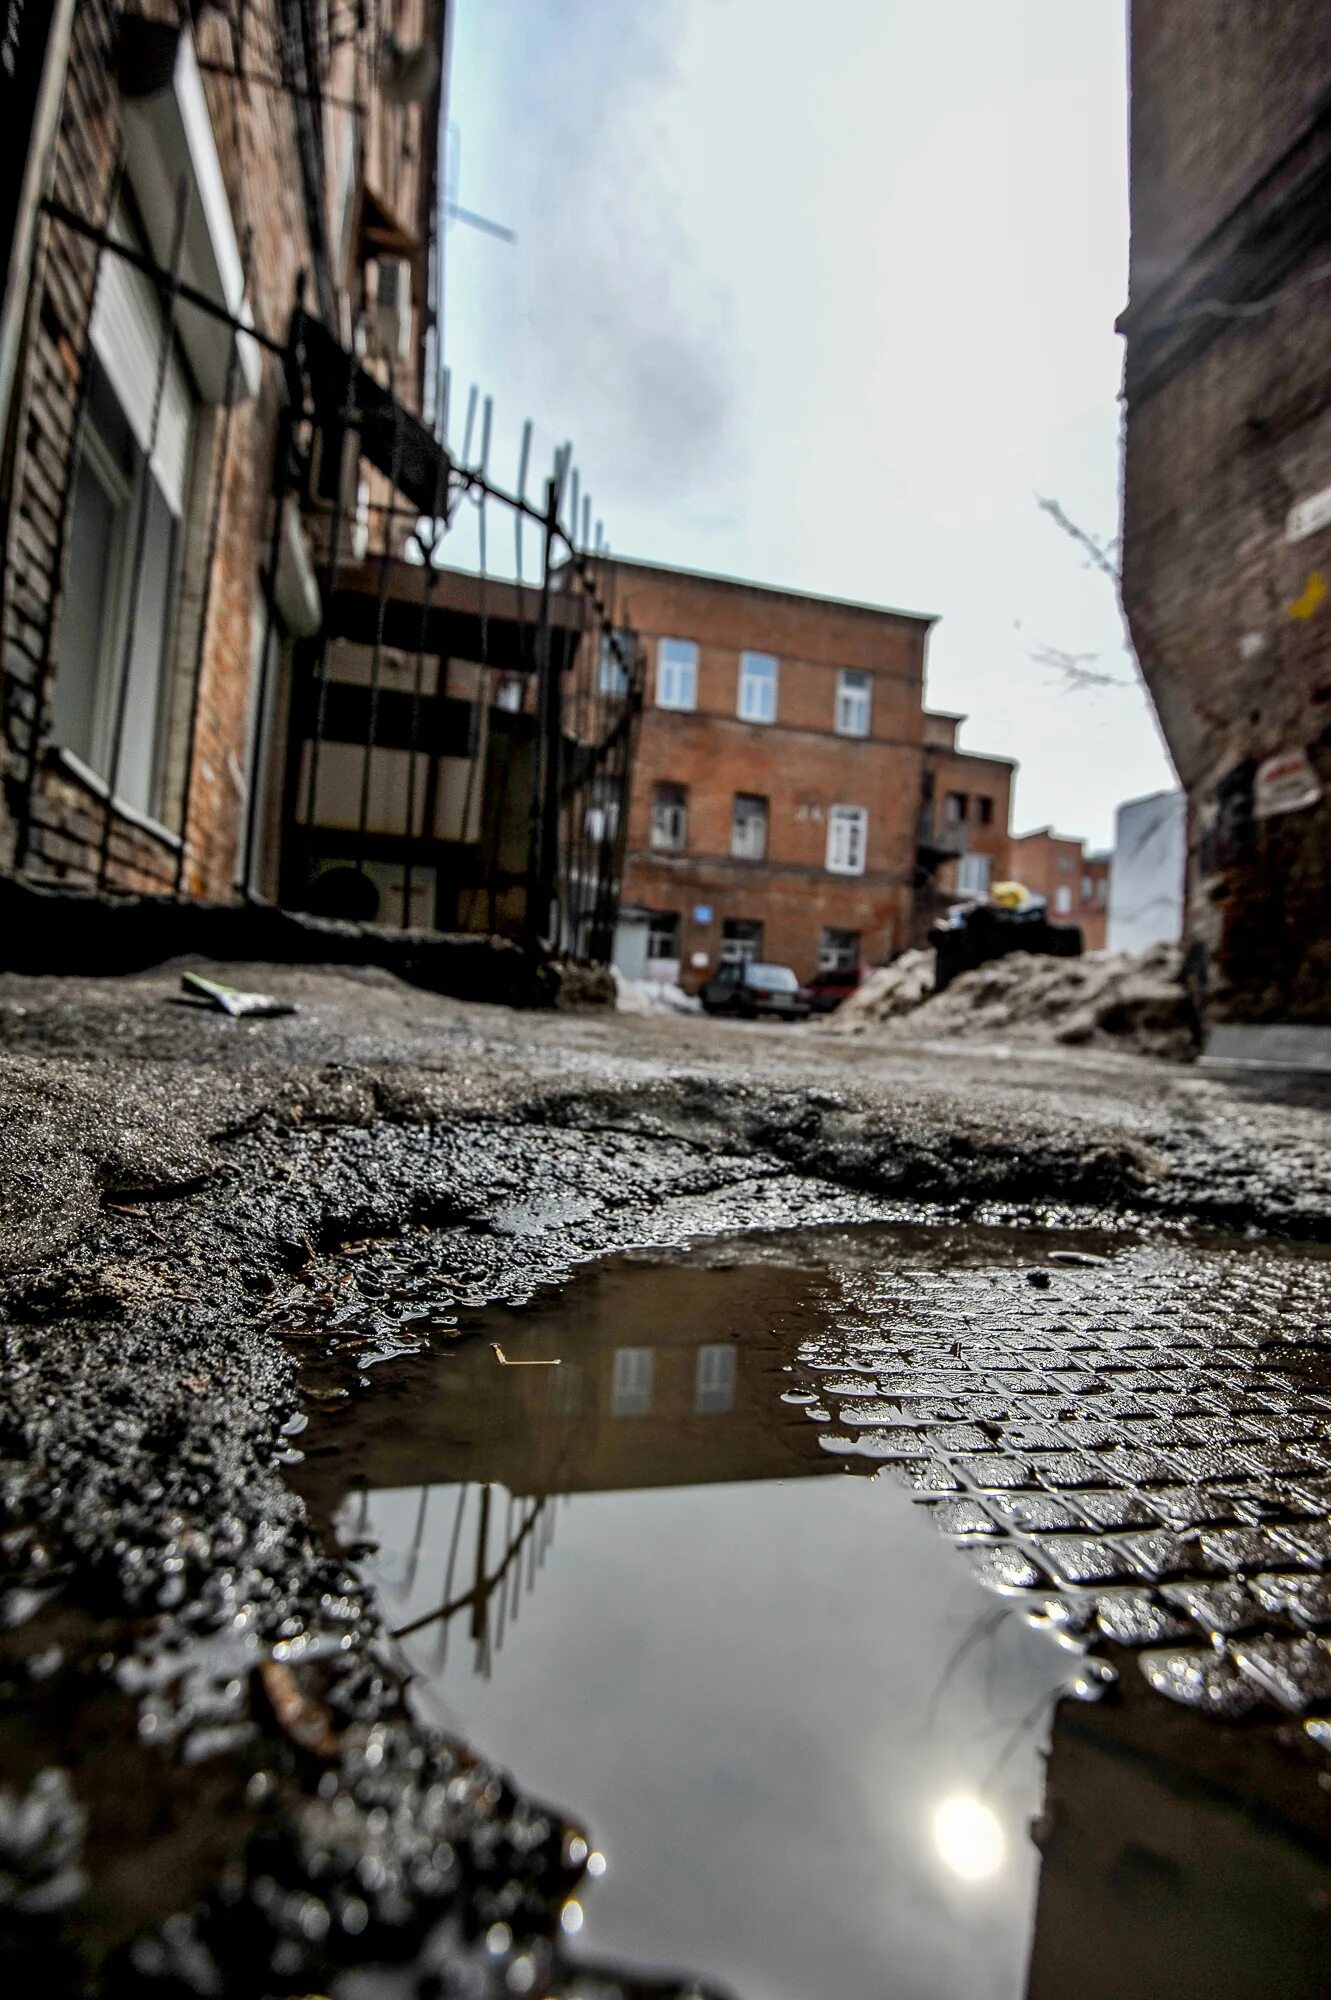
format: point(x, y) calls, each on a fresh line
point(812, 1751)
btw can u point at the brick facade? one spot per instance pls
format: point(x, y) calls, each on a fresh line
point(1074, 884)
point(53, 806)
point(1227, 583)
point(799, 764)
point(966, 810)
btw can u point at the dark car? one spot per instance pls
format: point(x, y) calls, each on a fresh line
point(751, 990)
point(827, 990)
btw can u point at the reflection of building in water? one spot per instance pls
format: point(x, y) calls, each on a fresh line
point(1180, 1857)
point(658, 1392)
point(647, 1393)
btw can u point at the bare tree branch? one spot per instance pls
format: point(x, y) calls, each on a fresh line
point(1103, 554)
point(1076, 670)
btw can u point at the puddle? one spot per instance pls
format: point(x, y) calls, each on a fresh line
point(689, 1583)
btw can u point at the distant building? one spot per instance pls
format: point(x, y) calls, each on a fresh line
point(1146, 872)
point(779, 773)
point(965, 821)
point(1074, 884)
point(1227, 475)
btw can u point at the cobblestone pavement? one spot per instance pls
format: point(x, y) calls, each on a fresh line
point(1138, 1448)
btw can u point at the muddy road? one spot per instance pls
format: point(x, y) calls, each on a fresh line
point(1070, 1308)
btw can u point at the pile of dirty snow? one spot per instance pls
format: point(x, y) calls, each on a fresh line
point(651, 996)
point(898, 988)
point(1131, 1000)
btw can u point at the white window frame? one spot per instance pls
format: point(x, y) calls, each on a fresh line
point(973, 872)
point(854, 702)
point(669, 831)
point(741, 950)
point(1063, 900)
point(676, 674)
point(714, 1382)
point(612, 676)
point(847, 839)
point(631, 1381)
point(759, 680)
point(745, 845)
point(656, 929)
point(832, 957)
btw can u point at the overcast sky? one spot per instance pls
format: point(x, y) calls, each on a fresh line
point(824, 297)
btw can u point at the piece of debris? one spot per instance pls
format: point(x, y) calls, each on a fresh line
point(504, 1361)
point(306, 1721)
point(230, 1000)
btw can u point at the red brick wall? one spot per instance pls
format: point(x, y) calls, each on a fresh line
point(799, 763)
point(256, 138)
point(1047, 862)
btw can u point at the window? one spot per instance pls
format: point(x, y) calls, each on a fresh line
point(714, 1391)
point(663, 935)
point(741, 941)
point(617, 650)
point(748, 827)
point(1065, 864)
point(117, 624)
point(1087, 888)
point(601, 821)
point(631, 1382)
point(757, 687)
point(676, 674)
point(670, 818)
point(854, 702)
point(847, 838)
point(1062, 899)
point(973, 875)
point(954, 808)
point(986, 809)
point(838, 951)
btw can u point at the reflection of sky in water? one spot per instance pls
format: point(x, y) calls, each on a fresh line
point(745, 1692)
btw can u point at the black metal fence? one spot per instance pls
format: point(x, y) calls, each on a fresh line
point(459, 742)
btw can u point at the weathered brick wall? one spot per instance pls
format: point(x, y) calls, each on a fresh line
point(799, 764)
point(223, 547)
point(1228, 428)
point(1219, 88)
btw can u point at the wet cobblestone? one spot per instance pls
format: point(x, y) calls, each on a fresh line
point(1140, 1448)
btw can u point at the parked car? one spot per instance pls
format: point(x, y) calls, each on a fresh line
point(827, 990)
point(751, 990)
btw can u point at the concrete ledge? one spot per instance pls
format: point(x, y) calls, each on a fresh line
point(1240, 1045)
point(50, 930)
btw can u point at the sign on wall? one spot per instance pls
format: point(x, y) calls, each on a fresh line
point(1284, 783)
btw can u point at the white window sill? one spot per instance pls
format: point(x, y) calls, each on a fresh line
point(835, 868)
point(74, 767)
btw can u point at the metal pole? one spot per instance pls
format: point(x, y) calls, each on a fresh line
point(141, 528)
point(542, 875)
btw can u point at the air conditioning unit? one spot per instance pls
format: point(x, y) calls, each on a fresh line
point(391, 313)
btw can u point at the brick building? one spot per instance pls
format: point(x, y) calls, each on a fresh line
point(1074, 884)
point(965, 820)
point(776, 797)
point(185, 174)
point(1227, 475)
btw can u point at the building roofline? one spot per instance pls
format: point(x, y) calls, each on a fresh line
point(945, 715)
point(925, 618)
point(1072, 839)
point(975, 756)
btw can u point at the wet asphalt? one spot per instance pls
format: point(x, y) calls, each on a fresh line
point(188, 1203)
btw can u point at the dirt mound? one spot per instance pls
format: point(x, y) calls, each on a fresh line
point(1133, 1000)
